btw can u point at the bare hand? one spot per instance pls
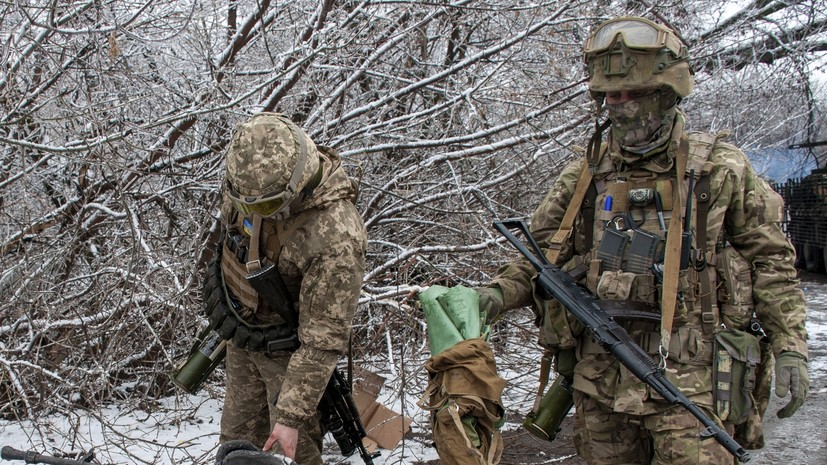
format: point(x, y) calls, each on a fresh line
point(285, 436)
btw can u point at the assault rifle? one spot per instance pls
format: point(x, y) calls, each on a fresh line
point(341, 417)
point(10, 453)
point(609, 334)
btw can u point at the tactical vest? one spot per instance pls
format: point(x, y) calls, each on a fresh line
point(234, 307)
point(633, 210)
point(626, 215)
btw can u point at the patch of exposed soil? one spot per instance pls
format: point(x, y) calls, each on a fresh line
point(521, 448)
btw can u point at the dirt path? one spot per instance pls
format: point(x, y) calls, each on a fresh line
point(800, 440)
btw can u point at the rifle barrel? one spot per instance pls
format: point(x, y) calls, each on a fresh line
point(10, 453)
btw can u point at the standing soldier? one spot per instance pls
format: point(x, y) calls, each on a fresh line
point(678, 229)
point(292, 258)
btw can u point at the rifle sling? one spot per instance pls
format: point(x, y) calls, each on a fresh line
point(564, 232)
point(545, 371)
point(673, 252)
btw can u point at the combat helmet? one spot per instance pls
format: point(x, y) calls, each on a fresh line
point(269, 161)
point(630, 52)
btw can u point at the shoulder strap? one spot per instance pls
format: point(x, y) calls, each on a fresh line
point(282, 231)
point(700, 147)
point(253, 257)
point(566, 225)
point(672, 258)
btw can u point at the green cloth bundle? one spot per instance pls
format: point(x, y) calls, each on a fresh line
point(452, 315)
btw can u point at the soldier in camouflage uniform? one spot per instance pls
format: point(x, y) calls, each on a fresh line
point(740, 265)
point(287, 202)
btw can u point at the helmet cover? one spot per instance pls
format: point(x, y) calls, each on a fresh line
point(630, 53)
point(269, 157)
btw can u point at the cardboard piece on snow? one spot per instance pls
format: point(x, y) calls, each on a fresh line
point(384, 427)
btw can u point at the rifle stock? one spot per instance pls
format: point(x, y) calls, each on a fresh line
point(609, 334)
point(341, 417)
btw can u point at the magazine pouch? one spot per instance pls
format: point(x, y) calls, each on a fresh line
point(737, 355)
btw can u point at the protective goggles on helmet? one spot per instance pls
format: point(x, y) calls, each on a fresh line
point(271, 203)
point(264, 205)
point(636, 34)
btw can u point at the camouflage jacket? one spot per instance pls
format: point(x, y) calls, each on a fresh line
point(749, 255)
point(322, 262)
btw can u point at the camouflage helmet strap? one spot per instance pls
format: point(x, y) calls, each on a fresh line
point(593, 151)
point(298, 171)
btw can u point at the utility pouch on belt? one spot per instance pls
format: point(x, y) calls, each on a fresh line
point(736, 356)
point(751, 432)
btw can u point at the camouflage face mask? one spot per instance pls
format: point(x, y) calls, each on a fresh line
point(645, 123)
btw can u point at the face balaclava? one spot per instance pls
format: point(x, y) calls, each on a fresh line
point(645, 123)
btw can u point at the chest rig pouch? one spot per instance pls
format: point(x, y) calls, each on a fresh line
point(629, 236)
point(231, 320)
point(247, 299)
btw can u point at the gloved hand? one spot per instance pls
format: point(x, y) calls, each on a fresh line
point(243, 452)
point(791, 377)
point(491, 301)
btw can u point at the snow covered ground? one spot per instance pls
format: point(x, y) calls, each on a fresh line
point(184, 429)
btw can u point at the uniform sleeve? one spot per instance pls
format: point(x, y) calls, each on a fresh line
point(753, 223)
point(515, 278)
point(334, 269)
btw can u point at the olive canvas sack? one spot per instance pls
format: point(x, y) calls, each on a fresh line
point(736, 358)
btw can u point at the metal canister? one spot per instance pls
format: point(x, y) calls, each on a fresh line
point(545, 421)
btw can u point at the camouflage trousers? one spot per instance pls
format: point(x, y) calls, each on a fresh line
point(604, 437)
point(253, 381)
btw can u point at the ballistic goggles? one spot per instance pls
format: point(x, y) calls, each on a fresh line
point(636, 34)
point(265, 205)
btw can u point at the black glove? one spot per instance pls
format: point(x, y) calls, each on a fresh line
point(243, 452)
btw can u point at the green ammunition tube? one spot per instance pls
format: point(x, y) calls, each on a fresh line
point(207, 353)
point(556, 403)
